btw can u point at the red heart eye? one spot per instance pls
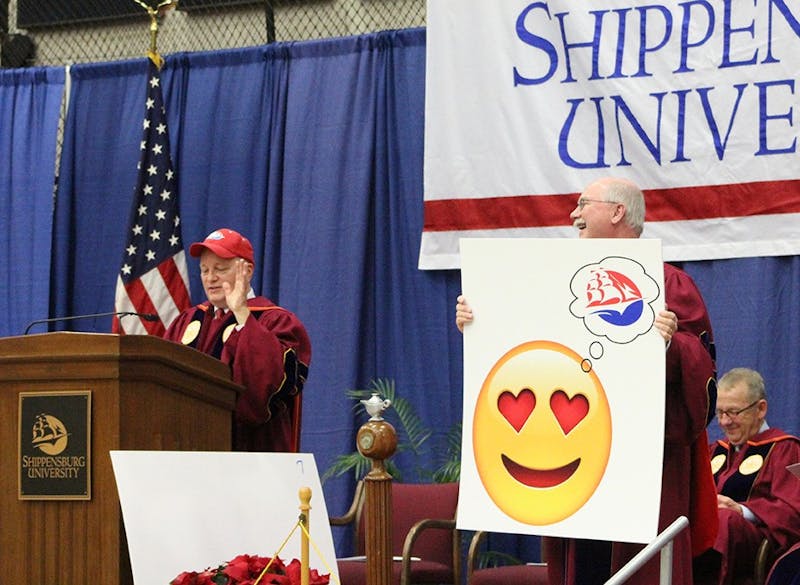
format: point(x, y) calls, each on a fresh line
point(516, 409)
point(569, 412)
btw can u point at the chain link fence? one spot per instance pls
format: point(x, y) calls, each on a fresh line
point(61, 32)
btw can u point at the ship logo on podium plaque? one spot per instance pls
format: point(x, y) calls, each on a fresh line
point(54, 445)
point(49, 434)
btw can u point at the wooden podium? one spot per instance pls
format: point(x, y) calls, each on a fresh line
point(145, 394)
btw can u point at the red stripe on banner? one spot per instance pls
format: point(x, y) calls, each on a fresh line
point(708, 202)
point(678, 203)
point(144, 304)
point(498, 212)
point(175, 285)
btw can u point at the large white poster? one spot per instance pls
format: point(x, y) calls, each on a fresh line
point(563, 388)
point(187, 511)
point(527, 102)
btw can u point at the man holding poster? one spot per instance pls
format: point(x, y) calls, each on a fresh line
point(614, 208)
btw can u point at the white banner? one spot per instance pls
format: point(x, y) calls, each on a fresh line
point(528, 102)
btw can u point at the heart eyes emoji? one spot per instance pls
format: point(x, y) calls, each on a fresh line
point(568, 411)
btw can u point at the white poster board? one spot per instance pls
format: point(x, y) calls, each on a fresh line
point(187, 511)
point(563, 387)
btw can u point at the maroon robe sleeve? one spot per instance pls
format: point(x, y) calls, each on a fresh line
point(690, 398)
point(691, 385)
point(269, 356)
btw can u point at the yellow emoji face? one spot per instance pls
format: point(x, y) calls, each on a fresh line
point(541, 432)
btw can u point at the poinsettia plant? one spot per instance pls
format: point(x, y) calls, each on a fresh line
point(247, 570)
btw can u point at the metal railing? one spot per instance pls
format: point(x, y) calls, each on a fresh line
point(663, 544)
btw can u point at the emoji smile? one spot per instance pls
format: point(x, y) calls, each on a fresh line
point(540, 478)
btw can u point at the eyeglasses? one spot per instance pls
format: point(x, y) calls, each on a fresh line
point(733, 414)
point(583, 201)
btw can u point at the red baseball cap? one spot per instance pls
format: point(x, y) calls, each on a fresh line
point(224, 243)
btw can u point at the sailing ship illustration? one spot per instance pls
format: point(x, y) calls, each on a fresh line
point(608, 287)
point(47, 430)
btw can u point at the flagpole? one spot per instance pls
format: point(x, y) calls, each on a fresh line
point(154, 14)
point(153, 276)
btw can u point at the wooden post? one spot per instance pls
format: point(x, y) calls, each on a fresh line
point(305, 509)
point(377, 440)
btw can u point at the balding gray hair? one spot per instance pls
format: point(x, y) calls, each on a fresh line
point(756, 389)
point(629, 194)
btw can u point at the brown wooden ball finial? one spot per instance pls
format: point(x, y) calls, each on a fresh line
point(377, 439)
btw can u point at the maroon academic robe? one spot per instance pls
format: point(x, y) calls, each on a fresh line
point(269, 356)
point(687, 487)
point(756, 476)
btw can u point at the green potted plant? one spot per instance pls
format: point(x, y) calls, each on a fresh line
point(413, 437)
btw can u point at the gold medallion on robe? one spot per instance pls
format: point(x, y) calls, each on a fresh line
point(191, 332)
point(717, 463)
point(752, 464)
point(227, 333)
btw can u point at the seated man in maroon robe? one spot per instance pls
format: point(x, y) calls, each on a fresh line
point(758, 497)
point(266, 346)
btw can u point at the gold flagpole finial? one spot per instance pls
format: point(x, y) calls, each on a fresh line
point(155, 13)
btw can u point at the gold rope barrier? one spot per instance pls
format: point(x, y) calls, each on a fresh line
point(305, 540)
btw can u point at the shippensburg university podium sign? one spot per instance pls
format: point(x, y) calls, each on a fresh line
point(54, 445)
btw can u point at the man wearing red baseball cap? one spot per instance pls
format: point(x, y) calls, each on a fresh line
point(266, 346)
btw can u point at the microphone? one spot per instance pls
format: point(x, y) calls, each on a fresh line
point(145, 316)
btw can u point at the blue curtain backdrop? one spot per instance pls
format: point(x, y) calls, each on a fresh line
point(315, 151)
point(30, 101)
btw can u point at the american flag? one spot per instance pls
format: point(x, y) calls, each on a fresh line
point(153, 278)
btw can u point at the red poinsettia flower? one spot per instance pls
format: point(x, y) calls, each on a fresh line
point(246, 570)
point(238, 569)
point(314, 578)
point(195, 578)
